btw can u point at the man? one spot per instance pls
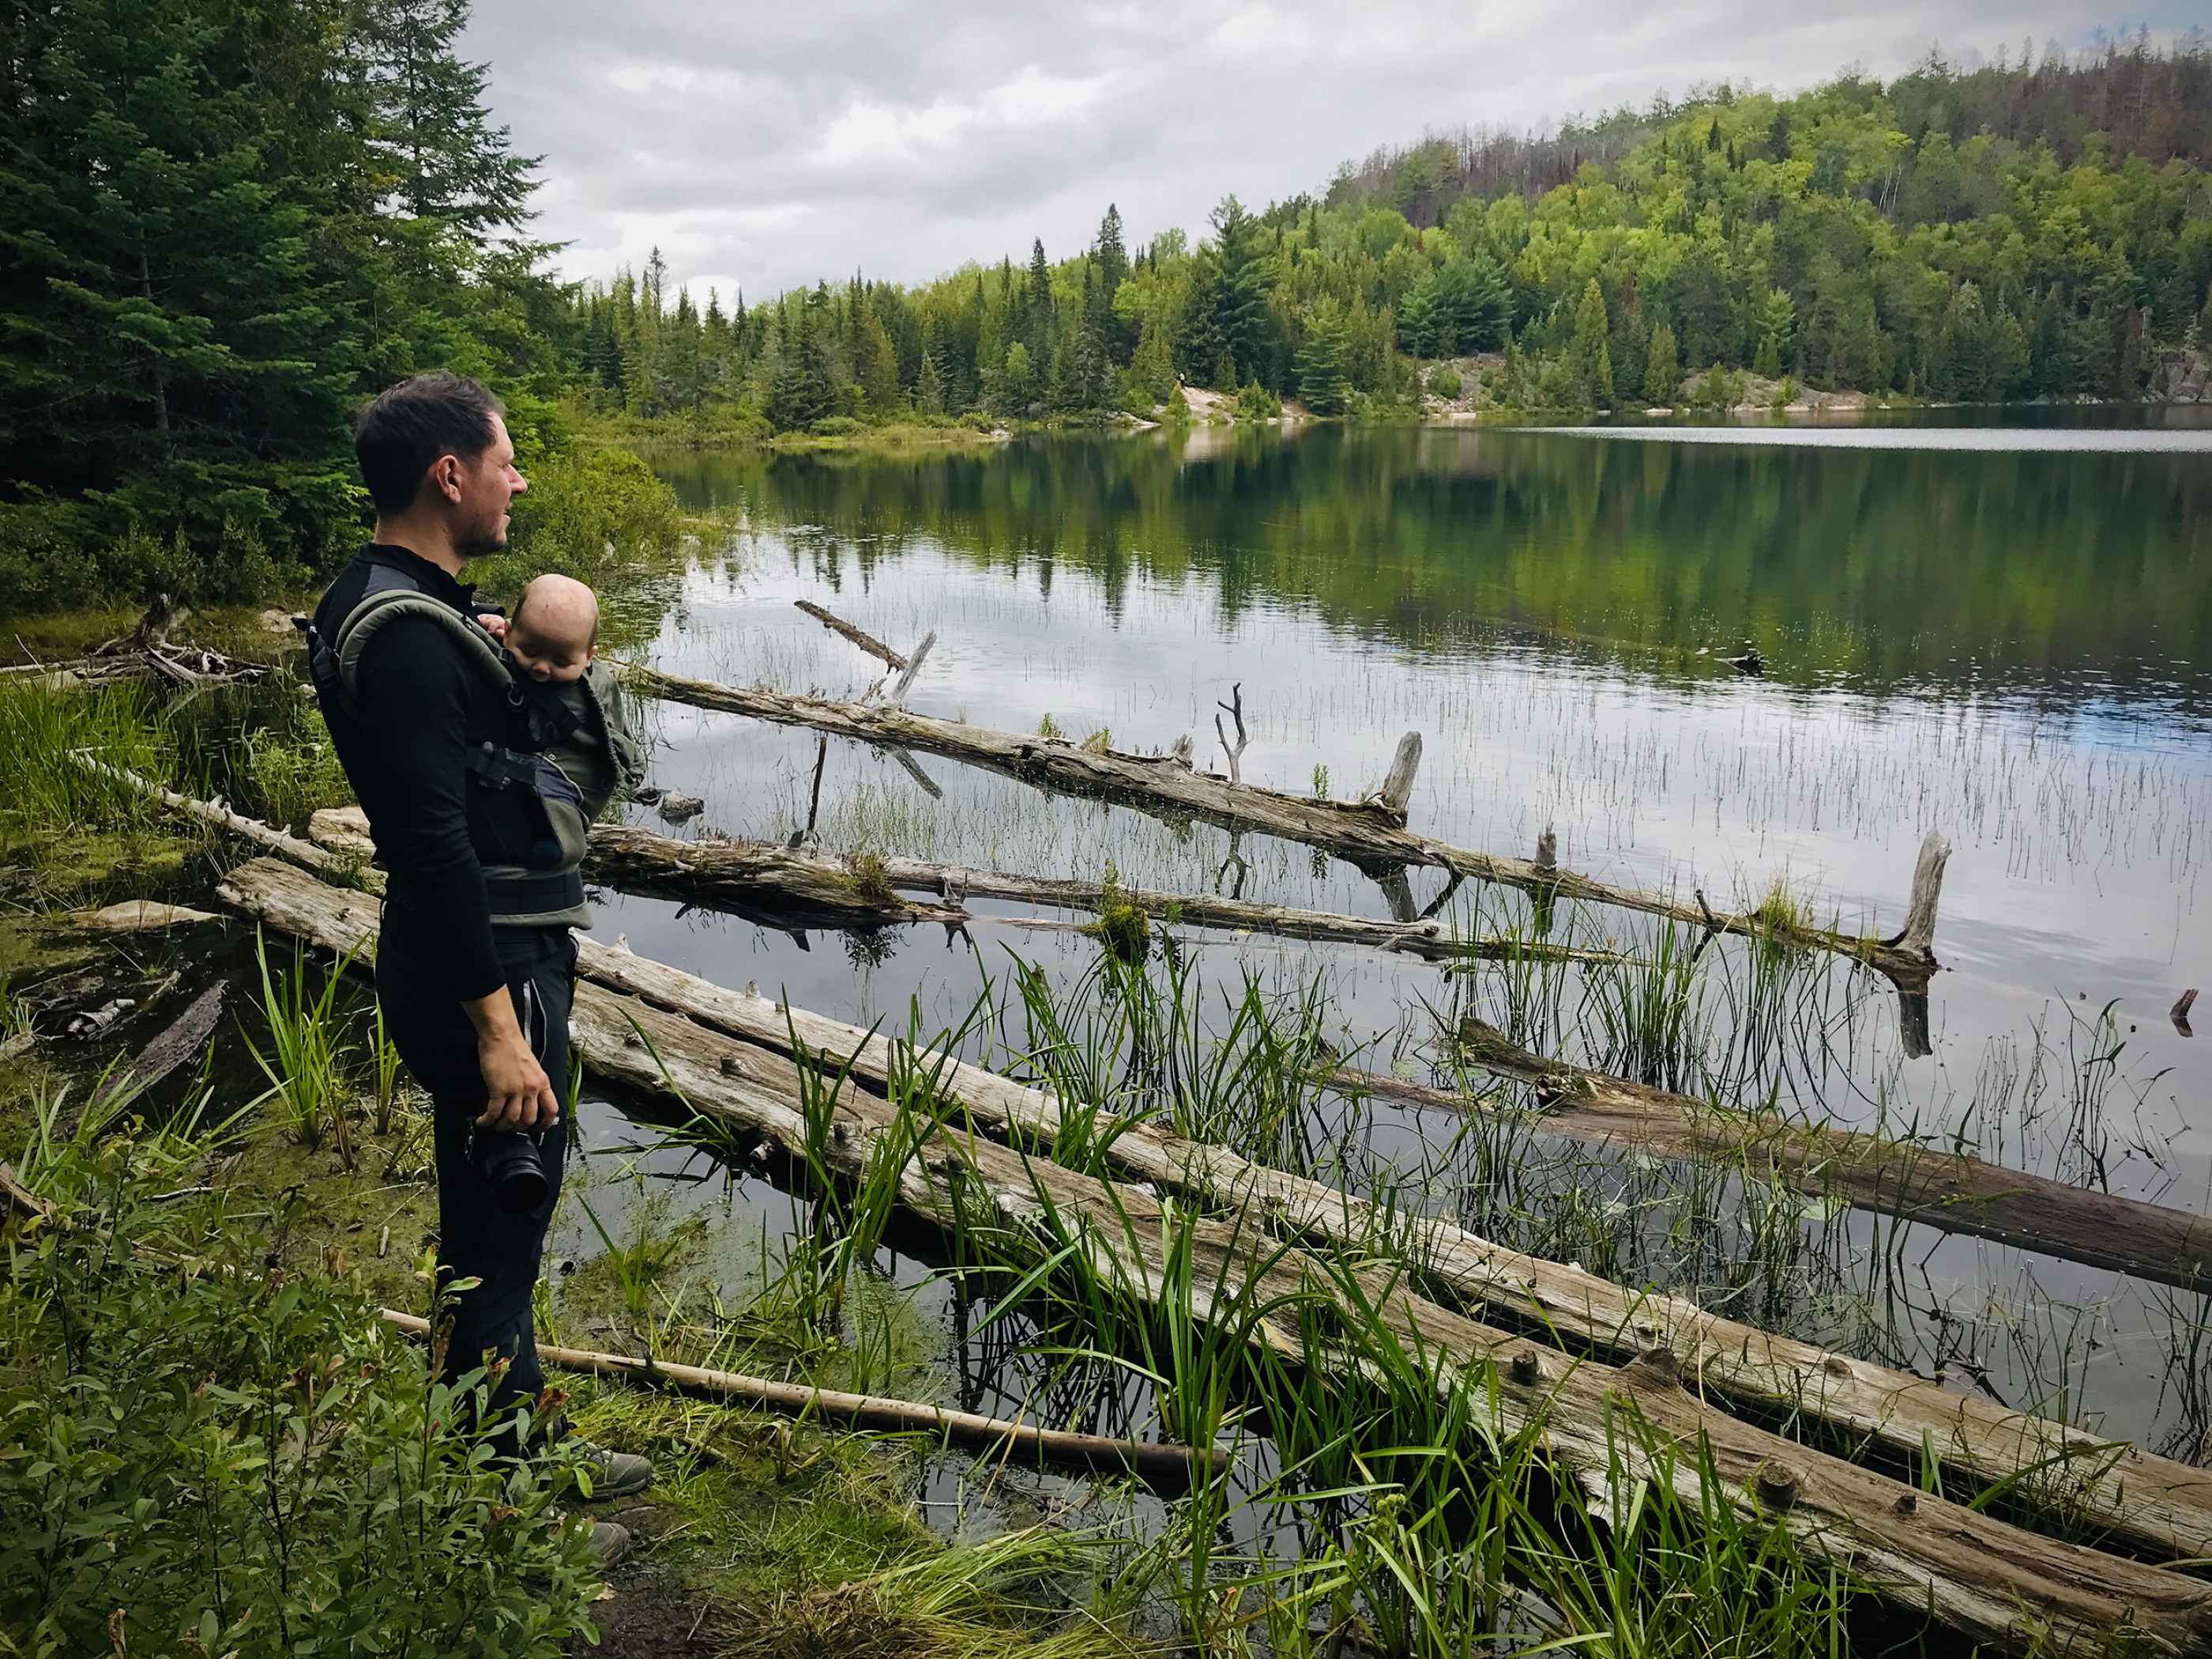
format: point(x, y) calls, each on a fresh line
point(476, 963)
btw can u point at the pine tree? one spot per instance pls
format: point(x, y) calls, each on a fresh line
point(1153, 368)
point(432, 135)
point(875, 366)
point(929, 383)
point(174, 334)
point(1323, 385)
point(1036, 303)
point(1662, 370)
point(1592, 348)
point(1244, 272)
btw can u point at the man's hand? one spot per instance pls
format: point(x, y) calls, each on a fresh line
point(493, 624)
point(518, 1095)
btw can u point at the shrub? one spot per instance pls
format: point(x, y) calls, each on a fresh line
point(1444, 381)
point(209, 1456)
point(589, 514)
point(837, 426)
point(1256, 403)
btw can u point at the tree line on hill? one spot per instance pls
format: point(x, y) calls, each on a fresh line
point(2029, 229)
point(221, 226)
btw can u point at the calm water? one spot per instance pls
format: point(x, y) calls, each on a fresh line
point(2002, 636)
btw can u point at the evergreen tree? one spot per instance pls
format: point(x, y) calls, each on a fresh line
point(875, 366)
point(431, 134)
point(1323, 384)
point(175, 336)
point(1777, 324)
point(1592, 348)
point(1663, 372)
point(1243, 270)
point(929, 383)
point(1036, 303)
point(1152, 370)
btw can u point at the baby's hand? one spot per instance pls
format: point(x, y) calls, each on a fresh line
point(492, 623)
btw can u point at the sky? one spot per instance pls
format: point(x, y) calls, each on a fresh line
point(761, 146)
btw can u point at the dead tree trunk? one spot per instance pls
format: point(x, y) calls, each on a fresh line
point(868, 641)
point(1952, 1191)
point(1167, 1468)
point(1366, 833)
point(1602, 1425)
point(735, 873)
point(2157, 1504)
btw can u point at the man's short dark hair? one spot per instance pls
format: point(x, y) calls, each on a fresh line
point(401, 431)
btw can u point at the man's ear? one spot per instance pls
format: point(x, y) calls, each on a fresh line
point(446, 477)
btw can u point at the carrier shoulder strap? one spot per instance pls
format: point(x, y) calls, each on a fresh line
point(390, 596)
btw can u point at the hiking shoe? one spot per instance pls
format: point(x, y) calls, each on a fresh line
point(614, 1474)
point(610, 1542)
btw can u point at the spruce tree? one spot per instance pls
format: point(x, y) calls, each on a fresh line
point(1662, 370)
point(1036, 303)
point(1323, 384)
point(173, 336)
point(432, 135)
point(1243, 270)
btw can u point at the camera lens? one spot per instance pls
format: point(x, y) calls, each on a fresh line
point(512, 1167)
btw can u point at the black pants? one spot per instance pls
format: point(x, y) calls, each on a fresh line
point(438, 1042)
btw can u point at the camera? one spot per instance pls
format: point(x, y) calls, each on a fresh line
point(512, 1163)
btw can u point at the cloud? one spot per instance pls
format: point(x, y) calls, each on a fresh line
point(765, 146)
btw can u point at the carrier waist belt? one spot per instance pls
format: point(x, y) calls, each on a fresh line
point(538, 892)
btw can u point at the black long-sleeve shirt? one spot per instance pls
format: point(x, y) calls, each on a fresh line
point(421, 709)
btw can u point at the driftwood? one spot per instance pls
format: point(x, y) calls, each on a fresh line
point(138, 917)
point(2157, 1504)
point(185, 1039)
point(1168, 1468)
point(1607, 1427)
point(868, 641)
point(1952, 1191)
point(1368, 833)
point(17, 1199)
point(736, 875)
point(144, 653)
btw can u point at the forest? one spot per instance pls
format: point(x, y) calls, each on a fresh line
point(221, 226)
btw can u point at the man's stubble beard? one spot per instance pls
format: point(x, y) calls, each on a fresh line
point(485, 539)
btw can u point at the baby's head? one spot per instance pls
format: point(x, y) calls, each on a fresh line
point(555, 627)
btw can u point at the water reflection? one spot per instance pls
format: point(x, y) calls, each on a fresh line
point(2057, 576)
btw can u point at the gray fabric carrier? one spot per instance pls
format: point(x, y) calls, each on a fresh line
point(548, 890)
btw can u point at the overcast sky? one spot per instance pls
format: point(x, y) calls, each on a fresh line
point(766, 144)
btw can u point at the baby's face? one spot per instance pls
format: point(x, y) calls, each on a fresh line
point(549, 661)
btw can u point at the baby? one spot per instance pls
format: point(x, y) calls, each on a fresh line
point(554, 631)
point(553, 638)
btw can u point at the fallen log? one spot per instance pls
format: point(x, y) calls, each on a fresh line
point(868, 641)
point(2154, 1504)
point(1162, 1466)
point(348, 869)
point(1371, 832)
point(1953, 1191)
point(185, 1038)
point(1607, 1427)
point(138, 916)
point(733, 873)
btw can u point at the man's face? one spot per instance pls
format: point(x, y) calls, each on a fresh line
point(487, 487)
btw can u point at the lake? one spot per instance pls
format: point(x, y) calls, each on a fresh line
point(2000, 633)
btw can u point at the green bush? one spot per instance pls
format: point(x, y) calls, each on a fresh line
point(1256, 403)
point(205, 1453)
point(591, 514)
point(1444, 381)
point(837, 426)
